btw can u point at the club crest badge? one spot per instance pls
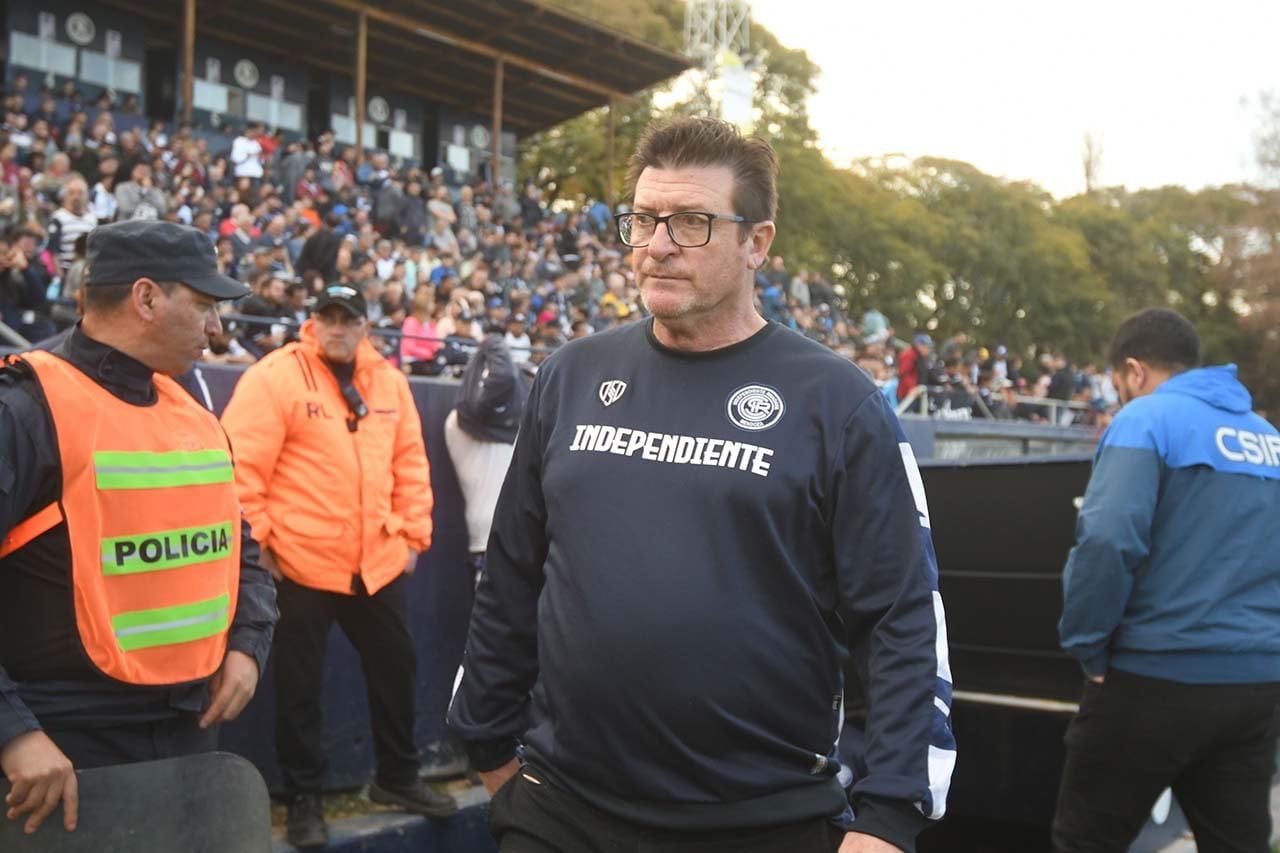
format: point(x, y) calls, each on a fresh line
point(755, 408)
point(611, 391)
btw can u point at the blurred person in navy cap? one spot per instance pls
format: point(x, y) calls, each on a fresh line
point(495, 317)
point(103, 446)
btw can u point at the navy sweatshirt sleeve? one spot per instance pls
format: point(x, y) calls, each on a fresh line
point(490, 711)
point(888, 588)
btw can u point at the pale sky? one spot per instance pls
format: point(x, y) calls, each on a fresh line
point(1012, 86)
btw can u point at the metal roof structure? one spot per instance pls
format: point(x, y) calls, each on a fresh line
point(532, 64)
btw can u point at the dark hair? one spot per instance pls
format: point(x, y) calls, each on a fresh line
point(108, 297)
point(710, 142)
point(1160, 337)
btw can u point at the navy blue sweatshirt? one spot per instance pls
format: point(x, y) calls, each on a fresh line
point(686, 547)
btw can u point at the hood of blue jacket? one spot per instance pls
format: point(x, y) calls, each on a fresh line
point(1217, 386)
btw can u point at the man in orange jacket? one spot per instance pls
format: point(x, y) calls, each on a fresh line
point(333, 476)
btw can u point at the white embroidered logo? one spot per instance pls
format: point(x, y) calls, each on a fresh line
point(755, 408)
point(611, 391)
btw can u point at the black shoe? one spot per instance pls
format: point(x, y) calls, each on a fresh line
point(306, 826)
point(415, 797)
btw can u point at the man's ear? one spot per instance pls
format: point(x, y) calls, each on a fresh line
point(762, 234)
point(146, 294)
point(1135, 370)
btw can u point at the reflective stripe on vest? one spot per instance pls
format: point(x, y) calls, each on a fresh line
point(164, 626)
point(139, 470)
point(165, 549)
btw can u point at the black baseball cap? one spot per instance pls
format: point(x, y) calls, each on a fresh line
point(123, 252)
point(341, 294)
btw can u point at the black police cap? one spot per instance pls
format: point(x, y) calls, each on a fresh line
point(123, 252)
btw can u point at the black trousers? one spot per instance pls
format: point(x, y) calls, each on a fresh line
point(106, 746)
point(528, 815)
point(1214, 744)
point(377, 625)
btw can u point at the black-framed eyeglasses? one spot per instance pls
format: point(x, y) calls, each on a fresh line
point(688, 229)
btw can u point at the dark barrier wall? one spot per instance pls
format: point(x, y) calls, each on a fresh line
point(440, 603)
point(1002, 532)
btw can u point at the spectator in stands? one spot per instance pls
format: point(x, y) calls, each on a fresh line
point(320, 251)
point(373, 173)
point(225, 347)
point(71, 220)
point(468, 217)
point(293, 167)
point(296, 298)
point(49, 183)
point(23, 286)
point(443, 238)
point(240, 228)
point(139, 197)
point(267, 300)
point(419, 344)
point(412, 217)
point(505, 205)
point(954, 347)
point(517, 338)
point(915, 367)
point(531, 205)
point(1062, 386)
point(246, 153)
point(388, 201)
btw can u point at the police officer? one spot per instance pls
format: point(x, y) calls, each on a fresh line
point(134, 616)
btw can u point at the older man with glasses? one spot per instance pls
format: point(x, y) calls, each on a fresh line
point(705, 513)
point(332, 474)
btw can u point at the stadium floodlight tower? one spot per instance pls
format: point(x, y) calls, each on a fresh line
point(717, 35)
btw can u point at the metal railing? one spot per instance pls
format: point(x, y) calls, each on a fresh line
point(1055, 408)
point(921, 393)
point(13, 338)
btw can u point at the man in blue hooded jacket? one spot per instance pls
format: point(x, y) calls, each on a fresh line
point(1172, 604)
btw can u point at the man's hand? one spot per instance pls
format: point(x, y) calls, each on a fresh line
point(412, 562)
point(1098, 679)
point(268, 561)
point(495, 779)
point(857, 842)
point(231, 688)
point(41, 777)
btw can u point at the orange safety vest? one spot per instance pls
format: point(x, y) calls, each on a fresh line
point(149, 501)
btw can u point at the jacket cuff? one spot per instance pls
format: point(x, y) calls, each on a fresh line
point(894, 821)
point(15, 719)
point(1098, 664)
point(252, 642)
point(486, 755)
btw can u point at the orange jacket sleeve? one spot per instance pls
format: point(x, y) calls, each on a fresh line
point(257, 427)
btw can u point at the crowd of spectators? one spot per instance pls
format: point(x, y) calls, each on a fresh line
point(441, 266)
